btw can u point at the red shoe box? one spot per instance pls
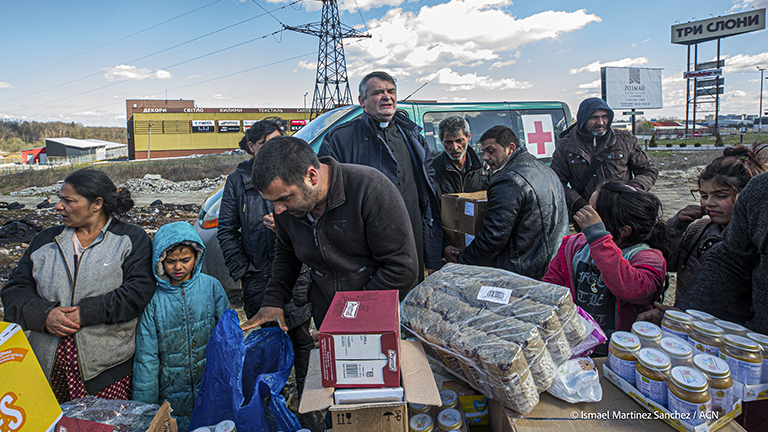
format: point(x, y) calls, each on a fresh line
point(360, 340)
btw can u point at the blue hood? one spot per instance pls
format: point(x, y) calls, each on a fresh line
point(587, 107)
point(170, 235)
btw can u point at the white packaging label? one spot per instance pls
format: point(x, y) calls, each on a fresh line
point(722, 399)
point(666, 331)
point(692, 413)
point(655, 390)
point(468, 239)
point(625, 368)
point(708, 349)
point(358, 347)
point(494, 294)
point(469, 208)
point(741, 371)
point(360, 371)
point(764, 375)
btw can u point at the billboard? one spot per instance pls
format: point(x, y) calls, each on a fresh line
point(715, 28)
point(631, 87)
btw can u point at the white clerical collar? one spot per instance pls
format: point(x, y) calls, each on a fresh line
point(383, 125)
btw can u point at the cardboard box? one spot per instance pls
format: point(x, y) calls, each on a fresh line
point(418, 384)
point(464, 212)
point(458, 239)
point(27, 402)
point(360, 340)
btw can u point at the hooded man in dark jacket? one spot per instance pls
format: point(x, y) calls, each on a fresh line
point(387, 140)
point(525, 220)
point(458, 169)
point(590, 152)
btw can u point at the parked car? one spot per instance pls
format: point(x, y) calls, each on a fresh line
point(537, 125)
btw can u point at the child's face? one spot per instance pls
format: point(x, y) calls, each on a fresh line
point(717, 202)
point(179, 264)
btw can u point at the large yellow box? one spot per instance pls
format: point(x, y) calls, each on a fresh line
point(27, 402)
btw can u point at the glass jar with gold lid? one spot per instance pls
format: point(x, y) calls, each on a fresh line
point(701, 316)
point(731, 328)
point(651, 374)
point(743, 358)
point(706, 337)
point(621, 354)
point(421, 423)
point(762, 340)
point(415, 408)
point(678, 350)
point(676, 323)
point(720, 382)
point(689, 394)
point(450, 420)
point(648, 333)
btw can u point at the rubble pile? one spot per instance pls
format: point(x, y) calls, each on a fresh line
point(151, 184)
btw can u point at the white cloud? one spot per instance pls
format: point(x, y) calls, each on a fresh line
point(126, 72)
point(625, 62)
point(745, 63)
point(307, 65)
point(591, 85)
point(352, 5)
point(500, 64)
point(738, 94)
point(751, 4)
point(89, 114)
point(470, 81)
point(457, 33)
point(4, 85)
point(221, 96)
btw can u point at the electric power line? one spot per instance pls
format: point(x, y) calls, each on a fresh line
point(110, 43)
point(149, 55)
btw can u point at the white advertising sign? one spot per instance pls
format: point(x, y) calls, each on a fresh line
point(720, 27)
point(631, 87)
point(539, 135)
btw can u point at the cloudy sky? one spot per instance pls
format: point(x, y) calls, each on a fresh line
point(79, 61)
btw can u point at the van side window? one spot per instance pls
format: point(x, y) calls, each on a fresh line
point(479, 122)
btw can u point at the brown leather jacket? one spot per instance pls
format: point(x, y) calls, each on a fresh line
point(620, 156)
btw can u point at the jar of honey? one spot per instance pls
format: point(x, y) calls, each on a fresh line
point(762, 340)
point(731, 328)
point(621, 354)
point(720, 382)
point(743, 358)
point(680, 352)
point(648, 333)
point(676, 323)
point(689, 394)
point(651, 373)
point(701, 316)
point(706, 337)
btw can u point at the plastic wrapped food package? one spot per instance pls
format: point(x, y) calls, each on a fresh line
point(503, 333)
point(122, 415)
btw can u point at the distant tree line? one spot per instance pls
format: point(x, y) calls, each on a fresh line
point(17, 135)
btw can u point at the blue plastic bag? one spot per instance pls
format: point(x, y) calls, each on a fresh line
point(243, 379)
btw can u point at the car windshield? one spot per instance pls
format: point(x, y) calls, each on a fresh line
point(317, 126)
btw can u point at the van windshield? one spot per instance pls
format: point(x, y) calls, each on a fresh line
point(317, 126)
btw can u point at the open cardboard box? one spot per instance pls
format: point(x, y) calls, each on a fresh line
point(616, 412)
point(416, 379)
point(752, 392)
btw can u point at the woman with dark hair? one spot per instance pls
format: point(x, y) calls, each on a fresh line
point(615, 267)
point(247, 238)
point(694, 235)
point(79, 289)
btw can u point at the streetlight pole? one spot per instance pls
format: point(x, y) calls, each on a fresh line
point(760, 113)
point(305, 107)
point(149, 143)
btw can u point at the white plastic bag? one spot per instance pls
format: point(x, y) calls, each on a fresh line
point(577, 381)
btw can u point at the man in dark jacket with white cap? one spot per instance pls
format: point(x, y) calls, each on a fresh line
point(590, 152)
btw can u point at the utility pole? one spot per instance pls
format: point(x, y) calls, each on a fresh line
point(331, 84)
point(760, 113)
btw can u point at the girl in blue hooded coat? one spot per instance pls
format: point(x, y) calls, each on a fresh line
point(175, 327)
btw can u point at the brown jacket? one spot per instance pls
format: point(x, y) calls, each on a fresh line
point(620, 156)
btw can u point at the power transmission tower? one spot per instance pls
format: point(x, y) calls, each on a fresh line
point(331, 84)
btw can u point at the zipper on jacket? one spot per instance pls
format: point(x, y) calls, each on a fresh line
point(189, 343)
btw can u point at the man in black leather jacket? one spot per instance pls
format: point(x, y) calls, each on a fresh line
point(526, 217)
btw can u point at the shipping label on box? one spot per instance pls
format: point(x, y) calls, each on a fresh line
point(26, 400)
point(464, 212)
point(360, 340)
